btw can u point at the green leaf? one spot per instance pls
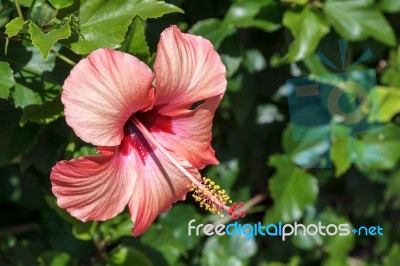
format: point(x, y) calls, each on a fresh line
point(242, 14)
point(120, 226)
point(268, 113)
point(390, 6)
point(392, 258)
point(15, 26)
point(345, 150)
point(213, 29)
point(34, 93)
point(44, 113)
point(61, 3)
point(7, 79)
point(294, 261)
point(135, 42)
point(305, 241)
point(154, 9)
point(298, 2)
point(375, 150)
point(385, 104)
point(46, 41)
point(24, 96)
point(85, 151)
point(231, 63)
point(103, 23)
point(254, 61)
point(340, 154)
point(228, 250)
point(391, 74)
point(43, 12)
point(126, 256)
point(315, 66)
point(161, 238)
point(337, 246)
point(36, 80)
point(54, 258)
point(291, 189)
point(307, 28)
point(312, 146)
point(356, 20)
point(177, 220)
point(27, 3)
point(380, 149)
point(170, 235)
point(26, 58)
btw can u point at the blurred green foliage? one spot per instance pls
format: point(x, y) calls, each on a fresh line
point(263, 43)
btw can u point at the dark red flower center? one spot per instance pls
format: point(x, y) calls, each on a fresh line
point(135, 141)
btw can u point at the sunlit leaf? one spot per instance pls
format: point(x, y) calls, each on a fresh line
point(298, 2)
point(135, 42)
point(337, 246)
point(161, 238)
point(213, 29)
point(154, 9)
point(355, 20)
point(307, 27)
point(228, 250)
point(292, 190)
point(126, 256)
point(61, 3)
point(243, 14)
point(55, 258)
point(309, 147)
point(113, 229)
point(231, 63)
point(7, 79)
point(103, 23)
point(254, 61)
point(14, 26)
point(380, 148)
point(386, 102)
point(46, 41)
point(390, 6)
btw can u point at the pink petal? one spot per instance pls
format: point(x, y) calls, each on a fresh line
point(94, 187)
point(159, 184)
point(102, 92)
point(186, 134)
point(188, 70)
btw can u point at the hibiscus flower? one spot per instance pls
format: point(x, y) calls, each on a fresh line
point(152, 132)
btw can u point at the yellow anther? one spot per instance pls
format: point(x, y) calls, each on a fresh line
point(209, 195)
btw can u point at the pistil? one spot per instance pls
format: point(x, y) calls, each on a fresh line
point(205, 191)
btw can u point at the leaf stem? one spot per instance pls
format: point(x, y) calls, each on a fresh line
point(18, 9)
point(64, 58)
point(30, 9)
